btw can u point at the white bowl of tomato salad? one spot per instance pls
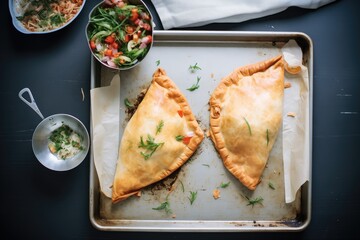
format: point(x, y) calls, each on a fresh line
point(120, 33)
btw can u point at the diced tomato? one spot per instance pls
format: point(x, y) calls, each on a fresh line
point(180, 112)
point(127, 38)
point(148, 39)
point(109, 39)
point(108, 52)
point(92, 44)
point(115, 45)
point(147, 27)
point(134, 14)
point(186, 140)
point(129, 29)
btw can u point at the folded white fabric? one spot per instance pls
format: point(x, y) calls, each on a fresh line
point(175, 13)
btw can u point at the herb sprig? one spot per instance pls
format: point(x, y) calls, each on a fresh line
point(179, 138)
point(159, 127)
point(193, 196)
point(271, 185)
point(224, 185)
point(164, 206)
point(253, 202)
point(149, 145)
point(248, 125)
point(194, 68)
point(128, 104)
point(195, 86)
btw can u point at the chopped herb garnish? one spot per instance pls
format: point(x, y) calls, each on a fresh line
point(150, 146)
point(182, 186)
point(206, 165)
point(248, 125)
point(157, 62)
point(194, 86)
point(164, 206)
point(159, 127)
point(192, 197)
point(271, 185)
point(194, 68)
point(224, 185)
point(127, 103)
point(267, 137)
point(254, 201)
point(179, 138)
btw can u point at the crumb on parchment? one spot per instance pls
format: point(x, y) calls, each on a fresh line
point(291, 114)
point(287, 84)
point(216, 194)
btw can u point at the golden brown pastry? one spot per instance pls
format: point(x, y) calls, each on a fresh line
point(159, 138)
point(245, 117)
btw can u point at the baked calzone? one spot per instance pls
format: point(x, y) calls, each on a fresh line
point(159, 138)
point(245, 117)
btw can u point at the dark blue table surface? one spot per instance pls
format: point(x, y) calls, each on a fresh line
point(37, 203)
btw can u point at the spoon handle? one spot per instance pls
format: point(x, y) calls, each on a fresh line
point(32, 103)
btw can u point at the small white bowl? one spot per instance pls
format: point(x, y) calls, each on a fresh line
point(14, 11)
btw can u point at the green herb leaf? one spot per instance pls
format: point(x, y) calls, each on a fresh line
point(206, 165)
point(271, 185)
point(192, 197)
point(127, 103)
point(194, 86)
point(157, 62)
point(194, 68)
point(267, 137)
point(164, 206)
point(224, 185)
point(254, 201)
point(182, 186)
point(159, 127)
point(179, 138)
point(150, 146)
point(248, 125)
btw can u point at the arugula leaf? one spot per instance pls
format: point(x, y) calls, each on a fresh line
point(157, 62)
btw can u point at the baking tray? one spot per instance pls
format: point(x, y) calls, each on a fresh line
point(217, 53)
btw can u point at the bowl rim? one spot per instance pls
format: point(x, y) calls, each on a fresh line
point(127, 67)
point(18, 25)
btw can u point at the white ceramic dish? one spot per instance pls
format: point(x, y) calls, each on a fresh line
point(15, 12)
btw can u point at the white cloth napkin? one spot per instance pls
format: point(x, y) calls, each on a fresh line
point(175, 13)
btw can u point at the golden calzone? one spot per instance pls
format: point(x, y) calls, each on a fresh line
point(245, 117)
point(159, 138)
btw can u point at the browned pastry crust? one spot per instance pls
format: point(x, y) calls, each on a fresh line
point(245, 117)
point(165, 103)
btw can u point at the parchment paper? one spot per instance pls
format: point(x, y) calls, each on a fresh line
point(105, 114)
point(106, 120)
point(295, 128)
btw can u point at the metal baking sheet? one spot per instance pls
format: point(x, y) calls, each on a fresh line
point(217, 53)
